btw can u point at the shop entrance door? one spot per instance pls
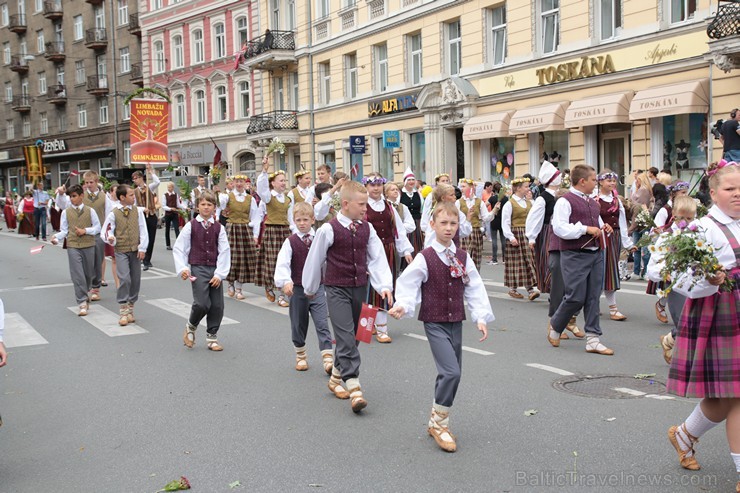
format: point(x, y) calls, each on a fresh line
point(614, 155)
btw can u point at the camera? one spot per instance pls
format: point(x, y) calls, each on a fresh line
point(715, 128)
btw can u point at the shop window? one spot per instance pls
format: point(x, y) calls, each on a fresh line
point(418, 159)
point(553, 146)
point(685, 141)
point(502, 160)
point(385, 159)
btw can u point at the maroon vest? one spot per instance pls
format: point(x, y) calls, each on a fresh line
point(669, 219)
point(346, 259)
point(383, 222)
point(171, 202)
point(442, 295)
point(553, 243)
point(298, 259)
point(587, 213)
point(610, 218)
point(204, 243)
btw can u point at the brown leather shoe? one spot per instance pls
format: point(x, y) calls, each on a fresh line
point(188, 338)
point(213, 345)
point(660, 313)
point(383, 337)
point(606, 351)
point(564, 336)
point(270, 294)
point(553, 342)
point(666, 342)
point(687, 462)
point(338, 391)
point(515, 294)
point(357, 401)
point(283, 302)
point(534, 294)
point(574, 329)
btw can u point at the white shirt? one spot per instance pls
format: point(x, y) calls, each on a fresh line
point(408, 286)
point(306, 194)
point(181, 250)
point(2, 320)
point(506, 212)
point(661, 218)
point(626, 240)
point(255, 213)
point(536, 217)
point(464, 227)
point(408, 222)
point(62, 201)
point(263, 189)
point(403, 245)
point(109, 227)
point(380, 275)
point(561, 224)
point(64, 224)
point(282, 264)
point(192, 193)
point(179, 203)
point(485, 215)
point(323, 206)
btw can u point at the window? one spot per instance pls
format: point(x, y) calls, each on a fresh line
point(24, 86)
point(418, 154)
point(242, 31)
point(244, 99)
point(197, 46)
point(682, 10)
point(324, 82)
point(40, 44)
point(77, 27)
point(126, 112)
point(60, 75)
point(79, 72)
point(278, 93)
point(22, 7)
point(683, 137)
point(58, 33)
point(10, 130)
point(100, 63)
point(81, 115)
point(62, 120)
point(26, 126)
point(38, 5)
point(42, 82)
point(454, 47)
point(219, 40)
point(200, 107)
point(549, 25)
point(294, 90)
point(179, 111)
point(125, 57)
point(350, 76)
point(221, 104)
point(24, 48)
point(158, 57)
point(122, 12)
point(6, 53)
point(502, 152)
point(381, 67)
point(275, 14)
point(126, 151)
point(322, 9)
point(8, 92)
point(43, 123)
point(610, 13)
point(156, 5)
point(177, 52)
point(497, 21)
point(103, 111)
point(415, 58)
point(291, 23)
point(4, 14)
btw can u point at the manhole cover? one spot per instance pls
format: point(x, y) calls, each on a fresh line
point(611, 386)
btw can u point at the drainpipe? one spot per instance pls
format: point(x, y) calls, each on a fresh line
point(115, 78)
point(312, 135)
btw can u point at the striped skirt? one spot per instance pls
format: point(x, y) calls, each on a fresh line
point(542, 257)
point(417, 238)
point(373, 297)
point(473, 244)
point(272, 241)
point(244, 259)
point(611, 261)
point(519, 269)
point(706, 358)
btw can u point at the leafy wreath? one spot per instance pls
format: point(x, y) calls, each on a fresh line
point(150, 90)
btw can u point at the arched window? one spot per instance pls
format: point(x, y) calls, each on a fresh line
point(244, 100)
point(158, 57)
point(221, 104)
point(180, 111)
point(219, 41)
point(198, 46)
point(177, 53)
point(200, 107)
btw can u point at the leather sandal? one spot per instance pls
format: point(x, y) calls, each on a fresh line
point(213, 345)
point(660, 313)
point(687, 461)
point(337, 389)
point(270, 294)
point(574, 329)
point(553, 342)
point(534, 294)
point(328, 361)
point(83, 310)
point(383, 337)
point(357, 401)
point(188, 337)
point(300, 363)
point(283, 302)
point(239, 295)
point(515, 294)
point(615, 314)
point(231, 291)
point(667, 343)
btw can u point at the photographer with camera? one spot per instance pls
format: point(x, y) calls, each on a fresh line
point(730, 137)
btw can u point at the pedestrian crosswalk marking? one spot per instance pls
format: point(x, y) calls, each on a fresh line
point(19, 333)
point(182, 309)
point(107, 322)
point(261, 302)
point(464, 348)
point(551, 369)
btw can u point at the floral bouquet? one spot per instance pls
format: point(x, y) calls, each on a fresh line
point(177, 485)
point(275, 145)
point(644, 220)
point(20, 216)
point(336, 202)
point(701, 209)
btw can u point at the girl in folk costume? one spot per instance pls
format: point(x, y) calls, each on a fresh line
point(612, 213)
point(9, 211)
point(278, 226)
point(519, 269)
point(392, 192)
point(242, 228)
point(440, 179)
point(389, 227)
point(25, 207)
point(411, 198)
point(537, 227)
point(477, 213)
point(706, 358)
point(443, 193)
point(302, 191)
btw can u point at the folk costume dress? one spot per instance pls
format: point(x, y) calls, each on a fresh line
point(413, 201)
point(612, 213)
point(663, 220)
point(519, 269)
point(26, 226)
point(278, 227)
point(242, 227)
point(9, 213)
point(480, 216)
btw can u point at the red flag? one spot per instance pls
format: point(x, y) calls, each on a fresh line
point(217, 156)
point(355, 170)
point(366, 323)
point(37, 249)
point(74, 172)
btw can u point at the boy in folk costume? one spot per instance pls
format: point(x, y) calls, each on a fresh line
point(302, 191)
point(478, 215)
point(125, 229)
point(289, 277)
point(577, 223)
point(146, 201)
point(444, 193)
point(388, 225)
point(82, 221)
point(706, 358)
point(441, 277)
point(520, 268)
point(171, 205)
point(243, 227)
point(195, 193)
point(278, 226)
point(196, 256)
point(411, 198)
point(353, 253)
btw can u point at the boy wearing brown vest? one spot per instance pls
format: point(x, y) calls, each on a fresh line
point(84, 224)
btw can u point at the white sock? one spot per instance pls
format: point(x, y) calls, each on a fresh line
point(662, 302)
point(554, 334)
point(238, 285)
point(381, 322)
point(736, 459)
point(611, 297)
point(593, 342)
point(697, 423)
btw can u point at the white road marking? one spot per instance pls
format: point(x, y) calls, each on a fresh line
point(162, 272)
point(182, 309)
point(18, 332)
point(634, 392)
point(501, 285)
point(111, 286)
point(661, 397)
point(107, 322)
point(261, 302)
point(464, 348)
point(551, 369)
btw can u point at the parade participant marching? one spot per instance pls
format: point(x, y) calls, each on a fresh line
point(243, 228)
point(82, 221)
point(440, 179)
point(443, 193)
point(477, 213)
point(537, 226)
point(302, 191)
point(388, 225)
point(706, 358)
point(289, 277)
point(391, 192)
point(195, 193)
point(9, 211)
point(125, 229)
point(612, 213)
point(26, 210)
point(205, 267)
point(353, 253)
point(411, 198)
point(322, 203)
point(278, 226)
point(446, 276)
point(519, 268)
point(223, 214)
point(145, 199)
point(171, 205)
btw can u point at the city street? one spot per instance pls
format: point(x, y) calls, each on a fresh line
point(89, 406)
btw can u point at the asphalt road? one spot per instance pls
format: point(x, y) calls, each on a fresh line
point(89, 409)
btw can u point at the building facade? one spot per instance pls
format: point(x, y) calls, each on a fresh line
point(66, 69)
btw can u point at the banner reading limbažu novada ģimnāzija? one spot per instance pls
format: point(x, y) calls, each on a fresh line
point(149, 119)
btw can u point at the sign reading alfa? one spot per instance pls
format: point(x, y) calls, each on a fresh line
point(52, 145)
point(580, 69)
point(392, 105)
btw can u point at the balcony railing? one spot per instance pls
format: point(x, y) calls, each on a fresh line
point(53, 10)
point(56, 94)
point(137, 74)
point(727, 21)
point(133, 24)
point(17, 23)
point(22, 104)
point(274, 120)
point(97, 84)
point(95, 2)
point(54, 51)
point(271, 40)
point(96, 38)
point(18, 63)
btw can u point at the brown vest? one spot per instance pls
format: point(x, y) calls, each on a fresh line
point(277, 213)
point(475, 219)
point(127, 230)
point(79, 219)
point(98, 203)
point(239, 211)
point(519, 214)
point(297, 197)
point(141, 200)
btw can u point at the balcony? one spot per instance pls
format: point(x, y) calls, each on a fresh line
point(271, 50)
point(22, 104)
point(283, 124)
point(96, 39)
point(17, 23)
point(18, 63)
point(54, 51)
point(95, 2)
point(97, 85)
point(137, 74)
point(133, 24)
point(53, 10)
point(56, 94)
point(724, 33)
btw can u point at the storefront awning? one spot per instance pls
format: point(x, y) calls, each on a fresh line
point(539, 119)
point(81, 152)
point(608, 108)
point(487, 126)
point(672, 99)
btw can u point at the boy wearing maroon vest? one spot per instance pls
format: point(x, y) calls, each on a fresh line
point(447, 277)
point(577, 223)
point(203, 256)
point(352, 252)
point(289, 277)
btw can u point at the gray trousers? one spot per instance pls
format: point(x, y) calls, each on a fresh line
point(676, 302)
point(128, 268)
point(81, 271)
point(583, 277)
point(345, 305)
point(300, 307)
point(445, 341)
point(207, 301)
point(99, 256)
point(557, 290)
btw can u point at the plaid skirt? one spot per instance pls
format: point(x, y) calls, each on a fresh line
point(706, 358)
point(611, 261)
point(473, 244)
point(244, 259)
point(519, 269)
point(373, 297)
point(653, 287)
point(272, 241)
point(542, 257)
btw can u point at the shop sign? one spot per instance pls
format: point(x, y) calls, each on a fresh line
point(357, 144)
point(392, 105)
point(149, 120)
point(52, 145)
point(391, 139)
point(580, 69)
